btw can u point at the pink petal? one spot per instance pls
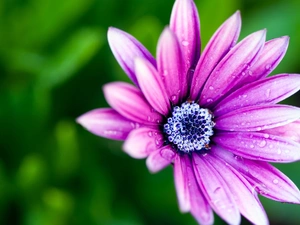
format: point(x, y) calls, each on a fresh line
point(271, 55)
point(256, 118)
point(215, 190)
point(247, 201)
point(170, 66)
point(156, 161)
point(152, 86)
point(186, 25)
point(259, 146)
point(142, 142)
point(200, 208)
point(291, 131)
point(231, 70)
point(125, 49)
point(181, 183)
point(266, 91)
point(265, 178)
point(221, 42)
point(130, 102)
point(107, 123)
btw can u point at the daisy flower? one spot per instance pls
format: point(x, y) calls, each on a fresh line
point(213, 116)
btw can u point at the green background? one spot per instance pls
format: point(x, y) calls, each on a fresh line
point(54, 59)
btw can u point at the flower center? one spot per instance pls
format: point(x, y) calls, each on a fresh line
point(189, 128)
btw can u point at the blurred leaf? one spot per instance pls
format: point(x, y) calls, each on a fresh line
point(70, 58)
point(66, 155)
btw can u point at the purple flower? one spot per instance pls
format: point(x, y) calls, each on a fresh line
point(213, 116)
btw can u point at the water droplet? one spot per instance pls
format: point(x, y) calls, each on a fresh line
point(245, 96)
point(262, 144)
point(258, 128)
point(165, 72)
point(211, 88)
point(150, 133)
point(149, 118)
point(266, 135)
point(279, 151)
point(275, 181)
point(250, 72)
point(209, 100)
point(173, 98)
point(268, 66)
point(185, 43)
point(243, 73)
point(251, 146)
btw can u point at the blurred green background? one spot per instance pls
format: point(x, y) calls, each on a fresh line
point(54, 59)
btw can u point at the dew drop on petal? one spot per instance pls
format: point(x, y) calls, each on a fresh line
point(185, 43)
point(268, 91)
point(266, 135)
point(209, 100)
point(211, 88)
point(262, 144)
point(268, 66)
point(275, 181)
point(173, 97)
point(150, 133)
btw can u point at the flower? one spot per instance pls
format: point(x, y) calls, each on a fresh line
point(214, 117)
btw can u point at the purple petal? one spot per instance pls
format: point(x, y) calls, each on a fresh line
point(215, 190)
point(265, 178)
point(247, 201)
point(125, 49)
point(143, 141)
point(181, 183)
point(156, 162)
point(130, 102)
point(271, 55)
point(200, 208)
point(221, 42)
point(186, 25)
point(152, 86)
point(256, 118)
point(266, 91)
point(107, 123)
point(259, 146)
point(291, 131)
point(231, 70)
point(170, 66)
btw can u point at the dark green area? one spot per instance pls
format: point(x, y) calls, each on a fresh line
point(54, 59)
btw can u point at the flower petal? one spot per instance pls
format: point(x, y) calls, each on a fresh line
point(247, 201)
point(186, 25)
point(215, 190)
point(259, 146)
point(143, 141)
point(270, 57)
point(170, 66)
point(266, 91)
point(291, 131)
point(130, 102)
point(265, 178)
point(256, 118)
point(156, 160)
point(152, 86)
point(181, 183)
point(107, 123)
point(125, 49)
point(220, 43)
point(231, 70)
point(200, 208)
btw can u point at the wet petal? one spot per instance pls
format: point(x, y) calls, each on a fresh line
point(259, 146)
point(160, 158)
point(291, 131)
point(125, 49)
point(265, 178)
point(247, 201)
point(186, 25)
point(107, 123)
point(266, 91)
point(271, 55)
point(215, 190)
point(220, 43)
point(231, 70)
point(256, 118)
point(130, 102)
point(152, 86)
point(181, 183)
point(200, 208)
point(142, 142)
point(170, 66)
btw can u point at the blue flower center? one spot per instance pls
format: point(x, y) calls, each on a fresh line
point(189, 128)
